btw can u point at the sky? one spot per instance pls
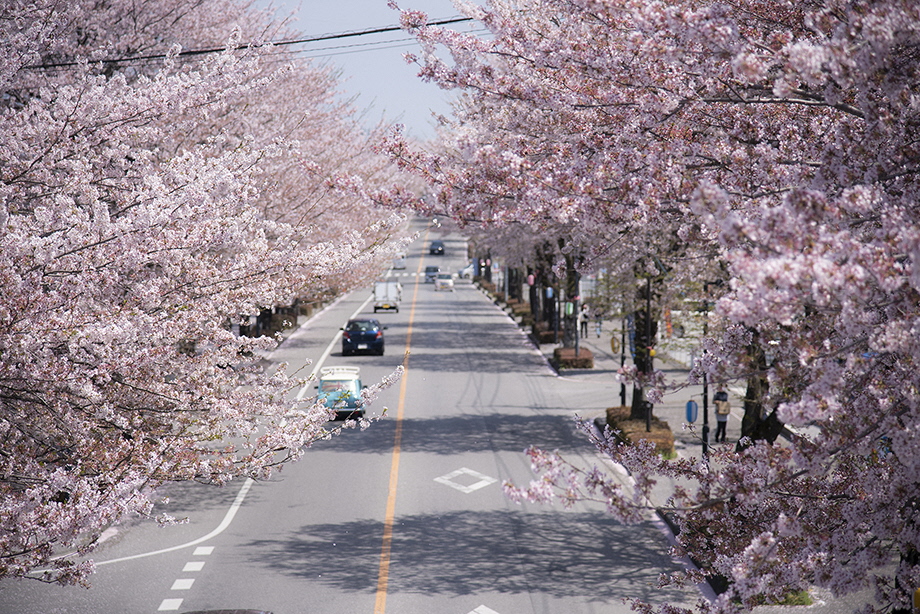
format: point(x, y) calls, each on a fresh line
point(373, 69)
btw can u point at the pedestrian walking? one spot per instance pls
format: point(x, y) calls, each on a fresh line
point(583, 316)
point(598, 322)
point(723, 410)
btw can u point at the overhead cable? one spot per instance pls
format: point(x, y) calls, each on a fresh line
point(196, 52)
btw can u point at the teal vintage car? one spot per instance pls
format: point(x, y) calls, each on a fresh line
point(339, 388)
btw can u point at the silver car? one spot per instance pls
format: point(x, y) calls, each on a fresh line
point(444, 281)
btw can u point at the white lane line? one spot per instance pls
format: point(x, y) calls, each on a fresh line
point(304, 328)
point(193, 566)
point(182, 584)
point(228, 518)
point(169, 605)
point(241, 495)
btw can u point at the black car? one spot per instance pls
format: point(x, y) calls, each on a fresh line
point(362, 335)
point(437, 248)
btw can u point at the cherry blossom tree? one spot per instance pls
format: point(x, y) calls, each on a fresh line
point(149, 199)
point(780, 141)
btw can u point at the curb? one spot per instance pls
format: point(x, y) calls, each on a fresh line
point(717, 584)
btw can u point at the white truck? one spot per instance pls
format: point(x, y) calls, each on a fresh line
point(387, 295)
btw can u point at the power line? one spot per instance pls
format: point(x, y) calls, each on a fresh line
point(196, 52)
point(334, 50)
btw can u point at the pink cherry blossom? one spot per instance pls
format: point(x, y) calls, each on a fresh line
point(146, 207)
point(769, 145)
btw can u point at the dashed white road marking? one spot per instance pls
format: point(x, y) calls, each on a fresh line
point(483, 610)
point(182, 584)
point(169, 605)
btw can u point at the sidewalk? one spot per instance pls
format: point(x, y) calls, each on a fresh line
point(672, 409)
point(688, 443)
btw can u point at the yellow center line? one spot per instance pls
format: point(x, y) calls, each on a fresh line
point(383, 574)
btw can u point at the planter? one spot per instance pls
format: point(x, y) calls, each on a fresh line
point(634, 430)
point(565, 358)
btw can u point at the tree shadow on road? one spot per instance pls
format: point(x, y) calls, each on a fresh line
point(459, 553)
point(464, 433)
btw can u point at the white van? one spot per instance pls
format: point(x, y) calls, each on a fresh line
point(387, 295)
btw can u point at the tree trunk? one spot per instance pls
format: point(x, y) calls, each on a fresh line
point(569, 320)
point(758, 423)
point(646, 323)
point(535, 296)
point(515, 283)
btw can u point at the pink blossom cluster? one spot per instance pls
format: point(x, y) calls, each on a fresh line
point(149, 200)
point(770, 145)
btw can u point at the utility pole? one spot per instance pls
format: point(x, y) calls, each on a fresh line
point(705, 405)
point(648, 338)
point(622, 359)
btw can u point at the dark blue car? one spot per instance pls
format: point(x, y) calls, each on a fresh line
point(364, 335)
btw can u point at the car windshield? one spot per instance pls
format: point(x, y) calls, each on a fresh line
point(444, 276)
point(361, 326)
point(431, 269)
point(338, 385)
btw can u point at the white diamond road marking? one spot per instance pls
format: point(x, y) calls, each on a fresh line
point(484, 480)
point(169, 604)
point(182, 584)
point(194, 566)
point(203, 550)
point(483, 610)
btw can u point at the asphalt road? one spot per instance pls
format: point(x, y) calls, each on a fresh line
point(405, 517)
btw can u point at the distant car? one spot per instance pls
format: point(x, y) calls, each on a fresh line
point(467, 272)
point(362, 335)
point(436, 248)
point(339, 388)
point(431, 273)
point(444, 281)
